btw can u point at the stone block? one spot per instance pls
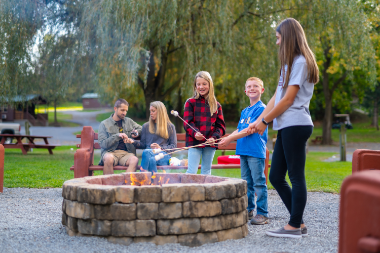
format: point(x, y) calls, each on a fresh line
point(79, 210)
point(123, 228)
point(221, 190)
point(158, 239)
point(234, 233)
point(93, 180)
point(70, 232)
point(115, 179)
point(125, 194)
point(194, 240)
point(115, 211)
point(69, 189)
point(244, 230)
point(145, 227)
point(147, 211)
point(120, 240)
point(64, 219)
point(166, 178)
point(211, 224)
point(201, 209)
point(179, 226)
point(183, 192)
point(72, 223)
point(233, 220)
point(240, 185)
point(148, 194)
point(193, 178)
point(169, 210)
point(96, 194)
point(137, 178)
point(234, 205)
point(214, 179)
point(94, 227)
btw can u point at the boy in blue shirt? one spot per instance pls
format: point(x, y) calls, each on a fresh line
point(252, 151)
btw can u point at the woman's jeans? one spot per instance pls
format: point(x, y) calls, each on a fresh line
point(149, 163)
point(252, 170)
point(289, 155)
point(194, 156)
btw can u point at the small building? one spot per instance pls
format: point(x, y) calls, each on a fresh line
point(91, 101)
point(24, 108)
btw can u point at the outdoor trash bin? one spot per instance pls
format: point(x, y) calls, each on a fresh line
point(229, 159)
point(359, 214)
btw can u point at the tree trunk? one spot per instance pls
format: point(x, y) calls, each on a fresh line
point(179, 109)
point(375, 118)
point(327, 122)
point(55, 113)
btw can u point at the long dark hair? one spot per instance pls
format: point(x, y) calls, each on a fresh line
point(293, 43)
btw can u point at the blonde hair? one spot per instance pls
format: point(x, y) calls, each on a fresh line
point(293, 43)
point(162, 120)
point(210, 96)
point(255, 79)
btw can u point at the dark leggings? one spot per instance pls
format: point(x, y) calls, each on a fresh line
point(289, 155)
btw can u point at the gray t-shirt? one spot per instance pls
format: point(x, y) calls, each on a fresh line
point(298, 113)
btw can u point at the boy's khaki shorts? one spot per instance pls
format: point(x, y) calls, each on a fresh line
point(120, 157)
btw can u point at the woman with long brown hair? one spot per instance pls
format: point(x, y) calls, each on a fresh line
point(289, 111)
point(159, 133)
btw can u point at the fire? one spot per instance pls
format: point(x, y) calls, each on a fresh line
point(136, 181)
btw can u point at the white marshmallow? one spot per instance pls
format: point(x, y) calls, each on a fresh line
point(159, 156)
point(175, 113)
point(156, 150)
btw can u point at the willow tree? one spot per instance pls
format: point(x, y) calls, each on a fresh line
point(158, 46)
point(19, 22)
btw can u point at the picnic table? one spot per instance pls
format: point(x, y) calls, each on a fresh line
point(25, 147)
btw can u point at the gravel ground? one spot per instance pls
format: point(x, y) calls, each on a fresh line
point(30, 221)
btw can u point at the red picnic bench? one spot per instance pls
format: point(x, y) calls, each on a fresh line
point(84, 156)
point(26, 146)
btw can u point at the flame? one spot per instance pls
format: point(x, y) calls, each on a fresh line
point(163, 171)
point(136, 181)
point(154, 176)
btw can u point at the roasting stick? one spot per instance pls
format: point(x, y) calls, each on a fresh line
point(175, 113)
point(161, 155)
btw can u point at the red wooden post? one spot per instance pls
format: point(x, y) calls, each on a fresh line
point(1, 167)
point(365, 159)
point(83, 157)
point(359, 219)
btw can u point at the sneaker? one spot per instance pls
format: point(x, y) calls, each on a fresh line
point(294, 233)
point(250, 215)
point(304, 231)
point(259, 220)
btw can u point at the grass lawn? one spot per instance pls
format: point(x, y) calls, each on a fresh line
point(62, 119)
point(66, 106)
point(38, 169)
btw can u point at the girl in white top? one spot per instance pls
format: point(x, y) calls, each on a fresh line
point(289, 111)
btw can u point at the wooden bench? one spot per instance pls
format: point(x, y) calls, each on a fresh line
point(1, 167)
point(25, 147)
point(84, 156)
point(317, 140)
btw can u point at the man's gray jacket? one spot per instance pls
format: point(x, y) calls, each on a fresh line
point(108, 135)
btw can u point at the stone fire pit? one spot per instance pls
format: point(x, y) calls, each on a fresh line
point(164, 208)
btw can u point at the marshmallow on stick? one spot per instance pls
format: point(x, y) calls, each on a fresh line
point(156, 150)
point(159, 156)
point(175, 113)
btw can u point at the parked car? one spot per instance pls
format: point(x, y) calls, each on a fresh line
point(9, 128)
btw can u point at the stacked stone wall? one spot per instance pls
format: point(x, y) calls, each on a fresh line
point(191, 209)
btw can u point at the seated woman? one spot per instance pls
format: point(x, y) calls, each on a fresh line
point(158, 133)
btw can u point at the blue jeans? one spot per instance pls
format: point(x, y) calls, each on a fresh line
point(194, 156)
point(149, 163)
point(252, 170)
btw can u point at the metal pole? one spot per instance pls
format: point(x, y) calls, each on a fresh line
point(342, 142)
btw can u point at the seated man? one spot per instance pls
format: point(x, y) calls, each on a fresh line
point(113, 136)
